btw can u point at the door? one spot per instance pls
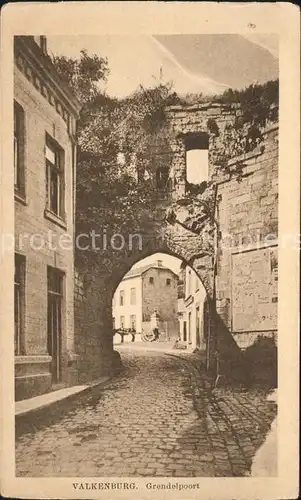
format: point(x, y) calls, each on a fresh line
point(184, 331)
point(189, 328)
point(55, 295)
point(197, 327)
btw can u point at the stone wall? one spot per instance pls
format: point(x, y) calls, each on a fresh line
point(248, 222)
point(93, 327)
point(158, 296)
point(246, 214)
point(196, 119)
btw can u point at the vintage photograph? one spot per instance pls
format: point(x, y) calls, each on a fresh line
point(150, 195)
point(146, 223)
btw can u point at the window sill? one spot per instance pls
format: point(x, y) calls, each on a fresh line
point(54, 218)
point(20, 197)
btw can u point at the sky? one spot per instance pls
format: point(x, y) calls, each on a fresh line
point(206, 64)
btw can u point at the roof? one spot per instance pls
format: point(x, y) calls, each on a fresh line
point(140, 270)
point(46, 69)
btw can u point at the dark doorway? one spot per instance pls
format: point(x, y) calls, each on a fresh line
point(184, 331)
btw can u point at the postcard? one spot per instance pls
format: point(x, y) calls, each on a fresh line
point(150, 238)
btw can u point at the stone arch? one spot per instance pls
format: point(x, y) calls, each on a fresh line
point(125, 266)
point(93, 311)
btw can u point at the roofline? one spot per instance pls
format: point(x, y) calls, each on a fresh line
point(145, 270)
point(46, 67)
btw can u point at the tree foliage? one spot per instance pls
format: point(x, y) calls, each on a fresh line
point(117, 144)
point(257, 101)
point(83, 75)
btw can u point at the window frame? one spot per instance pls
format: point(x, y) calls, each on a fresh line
point(131, 321)
point(19, 148)
point(133, 296)
point(121, 298)
point(58, 167)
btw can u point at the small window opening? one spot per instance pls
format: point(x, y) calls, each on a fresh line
point(197, 155)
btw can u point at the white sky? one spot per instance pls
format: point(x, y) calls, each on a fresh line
point(133, 61)
point(143, 59)
point(197, 165)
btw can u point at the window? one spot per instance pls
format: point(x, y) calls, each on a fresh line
point(151, 280)
point(133, 321)
point(121, 297)
point(55, 177)
point(197, 150)
point(168, 282)
point(196, 283)
point(133, 296)
point(19, 300)
point(122, 322)
point(54, 327)
point(19, 143)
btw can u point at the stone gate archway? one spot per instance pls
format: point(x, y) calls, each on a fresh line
point(236, 208)
point(96, 287)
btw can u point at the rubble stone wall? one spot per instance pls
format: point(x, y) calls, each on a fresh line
point(246, 210)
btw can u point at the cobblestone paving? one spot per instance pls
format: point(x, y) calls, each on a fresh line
point(158, 418)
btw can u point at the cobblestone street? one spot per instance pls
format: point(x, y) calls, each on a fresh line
point(159, 417)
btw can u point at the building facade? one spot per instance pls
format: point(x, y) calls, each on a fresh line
point(141, 293)
point(45, 113)
point(192, 310)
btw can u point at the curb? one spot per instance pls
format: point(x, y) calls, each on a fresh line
point(48, 413)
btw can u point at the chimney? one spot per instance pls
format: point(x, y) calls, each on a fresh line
point(41, 41)
point(159, 263)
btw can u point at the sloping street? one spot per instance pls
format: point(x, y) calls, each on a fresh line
point(159, 417)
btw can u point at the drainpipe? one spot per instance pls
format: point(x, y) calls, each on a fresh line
point(212, 307)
